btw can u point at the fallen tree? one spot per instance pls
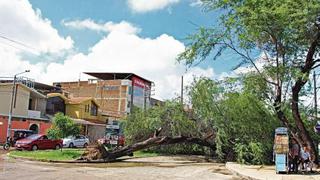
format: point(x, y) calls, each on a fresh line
point(100, 152)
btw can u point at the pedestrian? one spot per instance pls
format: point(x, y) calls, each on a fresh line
point(306, 158)
point(295, 151)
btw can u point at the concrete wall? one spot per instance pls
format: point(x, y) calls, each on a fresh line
point(41, 105)
point(22, 100)
point(96, 132)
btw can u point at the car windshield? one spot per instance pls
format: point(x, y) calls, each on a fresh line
point(69, 137)
point(34, 136)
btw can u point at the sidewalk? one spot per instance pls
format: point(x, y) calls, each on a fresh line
point(265, 173)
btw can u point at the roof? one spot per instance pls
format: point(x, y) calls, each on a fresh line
point(47, 87)
point(79, 100)
point(86, 122)
point(114, 75)
point(57, 95)
point(31, 90)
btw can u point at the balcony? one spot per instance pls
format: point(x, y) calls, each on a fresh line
point(34, 114)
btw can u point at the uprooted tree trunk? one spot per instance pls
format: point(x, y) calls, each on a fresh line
point(151, 142)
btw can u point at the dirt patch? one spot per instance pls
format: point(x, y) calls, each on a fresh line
point(220, 169)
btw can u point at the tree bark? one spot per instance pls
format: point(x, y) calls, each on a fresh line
point(151, 142)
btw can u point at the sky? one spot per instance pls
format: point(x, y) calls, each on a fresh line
point(57, 40)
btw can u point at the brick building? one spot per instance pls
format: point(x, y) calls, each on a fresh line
point(116, 93)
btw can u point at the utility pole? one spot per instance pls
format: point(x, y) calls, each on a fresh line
point(315, 94)
point(13, 95)
point(182, 90)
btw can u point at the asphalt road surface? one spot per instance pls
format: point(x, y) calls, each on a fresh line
point(162, 167)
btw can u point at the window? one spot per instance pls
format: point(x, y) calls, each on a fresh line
point(94, 110)
point(85, 108)
point(111, 88)
point(129, 90)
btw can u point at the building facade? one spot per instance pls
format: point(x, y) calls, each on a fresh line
point(116, 93)
point(83, 110)
point(28, 109)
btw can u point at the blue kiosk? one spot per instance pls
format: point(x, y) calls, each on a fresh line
point(281, 150)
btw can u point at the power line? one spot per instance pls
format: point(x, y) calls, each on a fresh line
point(5, 43)
point(17, 42)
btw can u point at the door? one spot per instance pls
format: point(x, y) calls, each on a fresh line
point(77, 141)
point(41, 142)
point(46, 143)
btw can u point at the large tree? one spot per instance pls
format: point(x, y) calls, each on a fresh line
point(285, 32)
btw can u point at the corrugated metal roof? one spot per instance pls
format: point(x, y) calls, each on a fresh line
point(114, 75)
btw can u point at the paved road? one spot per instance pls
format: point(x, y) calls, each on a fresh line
point(143, 169)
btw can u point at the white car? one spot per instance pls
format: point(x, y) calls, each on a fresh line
point(75, 141)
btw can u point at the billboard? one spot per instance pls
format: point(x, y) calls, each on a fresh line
point(141, 92)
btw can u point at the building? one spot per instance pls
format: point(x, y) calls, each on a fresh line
point(83, 111)
point(116, 93)
point(28, 111)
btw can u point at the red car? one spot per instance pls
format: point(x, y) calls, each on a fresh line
point(38, 141)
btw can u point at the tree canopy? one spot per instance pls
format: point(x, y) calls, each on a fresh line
point(286, 34)
point(63, 126)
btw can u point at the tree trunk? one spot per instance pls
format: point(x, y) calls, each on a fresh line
point(151, 142)
point(302, 80)
point(304, 134)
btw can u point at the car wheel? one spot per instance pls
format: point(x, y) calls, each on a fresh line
point(6, 146)
point(85, 145)
point(71, 145)
point(34, 147)
point(57, 147)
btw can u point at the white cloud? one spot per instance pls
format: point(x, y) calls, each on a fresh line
point(153, 59)
point(142, 6)
point(120, 50)
point(21, 23)
point(196, 3)
point(260, 62)
point(123, 26)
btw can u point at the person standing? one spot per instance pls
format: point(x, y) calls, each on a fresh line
point(295, 151)
point(306, 158)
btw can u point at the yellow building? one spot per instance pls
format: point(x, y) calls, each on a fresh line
point(83, 110)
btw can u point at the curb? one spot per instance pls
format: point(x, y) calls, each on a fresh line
point(62, 161)
point(40, 160)
point(242, 175)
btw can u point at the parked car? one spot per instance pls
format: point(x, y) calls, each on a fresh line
point(19, 134)
point(76, 141)
point(38, 141)
point(114, 139)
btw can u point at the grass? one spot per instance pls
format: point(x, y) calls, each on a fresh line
point(53, 155)
point(145, 154)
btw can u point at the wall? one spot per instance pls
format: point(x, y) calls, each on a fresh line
point(111, 95)
point(78, 111)
point(18, 123)
point(41, 105)
point(74, 111)
point(22, 100)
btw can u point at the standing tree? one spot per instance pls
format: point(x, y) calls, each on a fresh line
point(287, 35)
point(63, 126)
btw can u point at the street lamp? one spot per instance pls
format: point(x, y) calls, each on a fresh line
point(11, 105)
